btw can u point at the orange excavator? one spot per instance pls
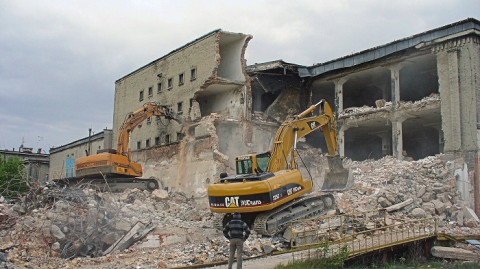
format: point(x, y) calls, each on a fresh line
point(268, 188)
point(115, 168)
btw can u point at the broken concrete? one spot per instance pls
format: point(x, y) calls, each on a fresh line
point(454, 253)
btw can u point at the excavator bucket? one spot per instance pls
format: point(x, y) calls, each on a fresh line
point(338, 178)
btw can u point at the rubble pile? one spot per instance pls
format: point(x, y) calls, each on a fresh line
point(409, 190)
point(75, 228)
point(382, 105)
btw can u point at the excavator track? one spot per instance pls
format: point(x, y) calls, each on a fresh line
point(111, 184)
point(275, 221)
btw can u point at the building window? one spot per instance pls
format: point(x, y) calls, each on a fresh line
point(147, 143)
point(170, 83)
point(181, 79)
point(159, 87)
point(193, 73)
point(179, 107)
point(179, 136)
point(139, 144)
point(149, 120)
point(140, 98)
point(150, 91)
point(157, 140)
point(167, 139)
point(191, 102)
point(139, 126)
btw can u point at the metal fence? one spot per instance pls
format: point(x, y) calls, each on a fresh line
point(355, 233)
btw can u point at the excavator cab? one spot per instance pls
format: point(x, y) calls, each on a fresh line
point(252, 163)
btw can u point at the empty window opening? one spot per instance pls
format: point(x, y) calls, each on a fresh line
point(150, 91)
point(159, 87)
point(181, 79)
point(167, 139)
point(419, 79)
point(420, 139)
point(139, 144)
point(179, 136)
point(140, 97)
point(170, 83)
point(157, 140)
point(147, 143)
point(190, 102)
point(193, 73)
point(362, 146)
point(179, 107)
point(149, 120)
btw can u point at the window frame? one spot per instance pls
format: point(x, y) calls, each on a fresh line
point(193, 73)
point(179, 107)
point(159, 87)
point(170, 83)
point(141, 95)
point(181, 79)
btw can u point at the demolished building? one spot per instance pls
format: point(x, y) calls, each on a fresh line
point(411, 98)
point(420, 90)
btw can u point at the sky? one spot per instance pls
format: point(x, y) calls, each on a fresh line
point(59, 59)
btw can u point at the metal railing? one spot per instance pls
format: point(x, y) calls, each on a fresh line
point(355, 233)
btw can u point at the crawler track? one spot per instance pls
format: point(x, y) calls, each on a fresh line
point(275, 221)
point(110, 184)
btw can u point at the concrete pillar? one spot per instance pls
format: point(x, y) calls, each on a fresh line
point(386, 141)
point(447, 66)
point(338, 109)
point(397, 131)
point(341, 140)
point(339, 93)
point(441, 138)
point(458, 67)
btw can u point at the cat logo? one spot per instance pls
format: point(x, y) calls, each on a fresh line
point(313, 125)
point(231, 201)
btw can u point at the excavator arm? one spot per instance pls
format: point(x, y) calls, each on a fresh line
point(133, 119)
point(118, 163)
point(297, 127)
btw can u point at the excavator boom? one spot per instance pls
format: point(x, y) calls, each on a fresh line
point(116, 166)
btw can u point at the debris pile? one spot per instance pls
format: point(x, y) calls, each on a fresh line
point(410, 190)
point(75, 228)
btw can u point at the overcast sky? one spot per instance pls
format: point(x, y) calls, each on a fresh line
point(59, 59)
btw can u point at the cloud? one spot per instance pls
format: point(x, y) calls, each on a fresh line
point(60, 59)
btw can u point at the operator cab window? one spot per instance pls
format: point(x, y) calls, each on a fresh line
point(262, 161)
point(244, 166)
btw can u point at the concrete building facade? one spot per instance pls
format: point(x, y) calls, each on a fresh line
point(205, 82)
point(62, 159)
point(411, 98)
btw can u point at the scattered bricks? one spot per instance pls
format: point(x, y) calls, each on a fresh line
point(56, 232)
point(470, 214)
point(19, 209)
point(471, 223)
point(384, 202)
point(159, 195)
point(419, 213)
point(439, 206)
point(420, 191)
point(429, 208)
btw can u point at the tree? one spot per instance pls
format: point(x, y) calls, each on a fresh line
point(12, 179)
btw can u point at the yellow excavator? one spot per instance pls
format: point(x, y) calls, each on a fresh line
point(268, 188)
point(115, 168)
